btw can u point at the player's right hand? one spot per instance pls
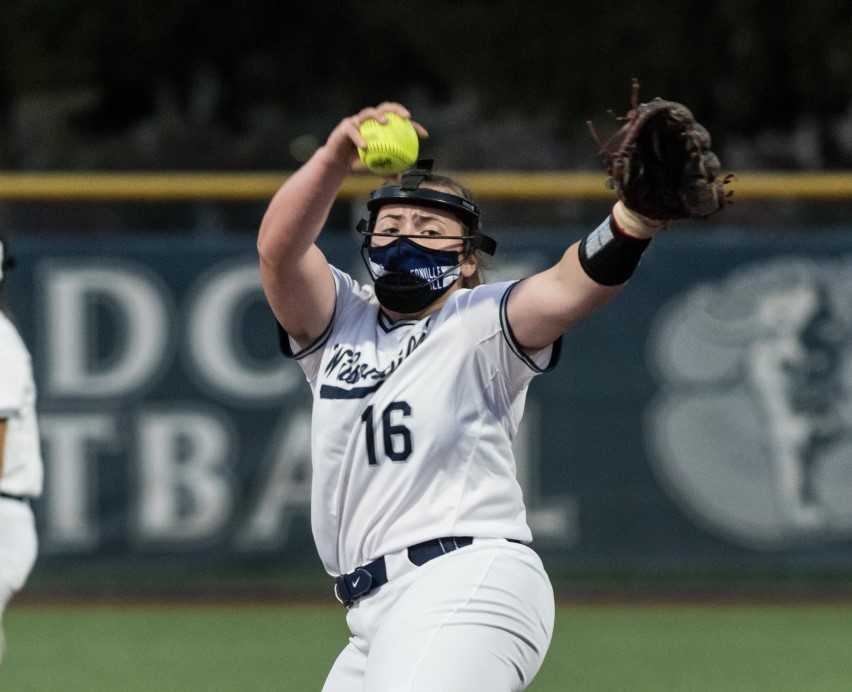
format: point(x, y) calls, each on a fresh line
point(345, 140)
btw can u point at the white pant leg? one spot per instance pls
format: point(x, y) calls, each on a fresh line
point(363, 619)
point(5, 596)
point(18, 547)
point(479, 618)
point(347, 673)
point(18, 543)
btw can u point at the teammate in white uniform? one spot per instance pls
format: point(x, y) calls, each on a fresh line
point(20, 459)
point(419, 383)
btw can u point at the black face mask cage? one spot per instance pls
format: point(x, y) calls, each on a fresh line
point(410, 192)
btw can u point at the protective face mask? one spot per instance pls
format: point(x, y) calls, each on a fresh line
point(408, 277)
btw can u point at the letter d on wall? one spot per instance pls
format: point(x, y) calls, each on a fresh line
point(72, 331)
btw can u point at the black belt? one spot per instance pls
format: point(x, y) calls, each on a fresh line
point(348, 588)
point(19, 498)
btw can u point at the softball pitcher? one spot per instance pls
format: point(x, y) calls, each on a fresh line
point(20, 458)
point(419, 382)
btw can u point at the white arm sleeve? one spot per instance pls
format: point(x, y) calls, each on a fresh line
point(348, 294)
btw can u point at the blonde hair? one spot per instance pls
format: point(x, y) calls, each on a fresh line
point(433, 180)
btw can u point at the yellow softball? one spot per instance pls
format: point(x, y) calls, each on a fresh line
point(392, 147)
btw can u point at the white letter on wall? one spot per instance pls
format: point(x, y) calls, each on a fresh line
point(286, 484)
point(214, 330)
point(70, 441)
point(185, 486)
point(71, 333)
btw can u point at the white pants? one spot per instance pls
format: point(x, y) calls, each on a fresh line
point(18, 545)
point(479, 618)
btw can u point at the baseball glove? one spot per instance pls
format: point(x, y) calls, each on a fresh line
point(660, 163)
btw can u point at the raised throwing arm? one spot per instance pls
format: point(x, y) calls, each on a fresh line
point(296, 277)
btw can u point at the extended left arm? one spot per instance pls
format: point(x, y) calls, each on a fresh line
point(545, 305)
point(661, 167)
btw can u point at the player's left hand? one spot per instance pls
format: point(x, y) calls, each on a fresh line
point(661, 165)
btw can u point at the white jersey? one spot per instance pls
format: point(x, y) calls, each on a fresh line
point(22, 468)
point(413, 423)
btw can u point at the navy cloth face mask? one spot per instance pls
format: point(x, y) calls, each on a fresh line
point(408, 277)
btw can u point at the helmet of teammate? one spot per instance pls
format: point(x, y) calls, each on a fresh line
point(408, 276)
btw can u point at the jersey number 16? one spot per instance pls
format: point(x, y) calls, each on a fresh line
point(390, 432)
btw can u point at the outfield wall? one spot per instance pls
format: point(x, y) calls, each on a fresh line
point(703, 421)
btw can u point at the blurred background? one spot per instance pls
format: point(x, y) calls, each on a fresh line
point(688, 464)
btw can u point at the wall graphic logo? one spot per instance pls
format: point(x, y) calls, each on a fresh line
point(751, 432)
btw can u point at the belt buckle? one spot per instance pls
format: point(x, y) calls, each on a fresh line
point(350, 587)
point(340, 599)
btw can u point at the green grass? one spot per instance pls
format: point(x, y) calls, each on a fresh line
point(259, 648)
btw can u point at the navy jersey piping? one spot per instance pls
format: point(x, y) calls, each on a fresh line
point(328, 391)
point(313, 347)
point(388, 326)
point(515, 347)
